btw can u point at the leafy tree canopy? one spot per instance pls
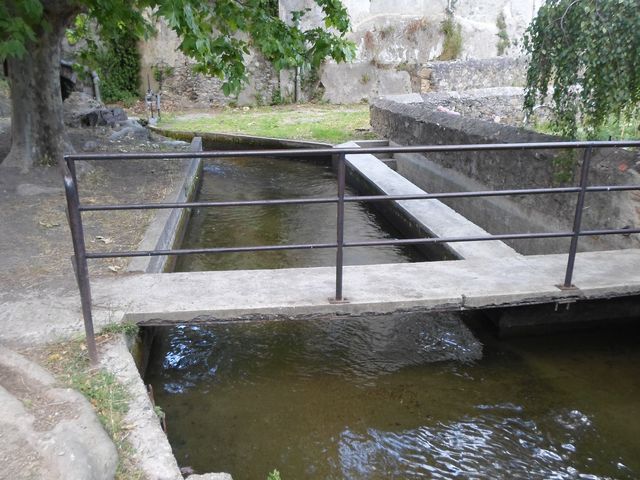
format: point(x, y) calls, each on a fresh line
point(586, 53)
point(210, 32)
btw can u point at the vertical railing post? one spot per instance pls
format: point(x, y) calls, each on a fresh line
point(577, 220)
point(340, 228)
point(80, 262)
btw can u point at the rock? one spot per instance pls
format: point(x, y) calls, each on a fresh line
point(5, 106)
point(97, 117)
point(90, 146)
point(119, 115)
point(78, 104)
point(210, 476)
point(47, 431)
point(139, 133)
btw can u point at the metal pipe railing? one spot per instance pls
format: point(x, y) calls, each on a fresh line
point(76, 208)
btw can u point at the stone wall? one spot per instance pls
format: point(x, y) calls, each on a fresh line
point(189, 89)
point(417, 123)
point(473, 74)
point(397, 44)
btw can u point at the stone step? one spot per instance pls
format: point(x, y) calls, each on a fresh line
point(46, 431)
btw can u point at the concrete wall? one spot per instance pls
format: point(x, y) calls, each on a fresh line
point(415, 124)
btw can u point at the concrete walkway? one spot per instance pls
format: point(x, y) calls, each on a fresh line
point(451, 285)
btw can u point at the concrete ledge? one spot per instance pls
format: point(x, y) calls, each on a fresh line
point(166, 227)
point(430, 218)
point(232, 141)
point(464, 284)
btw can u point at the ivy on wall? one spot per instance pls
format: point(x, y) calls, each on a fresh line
point(113, 54)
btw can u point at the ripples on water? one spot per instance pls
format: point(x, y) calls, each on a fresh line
point(402, 396)
point(263, 179)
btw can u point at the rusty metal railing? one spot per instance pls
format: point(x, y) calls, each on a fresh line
point(76, 208)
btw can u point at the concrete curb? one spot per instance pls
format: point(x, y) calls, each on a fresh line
point(167, 225)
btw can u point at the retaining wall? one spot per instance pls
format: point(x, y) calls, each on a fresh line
point(416, 124)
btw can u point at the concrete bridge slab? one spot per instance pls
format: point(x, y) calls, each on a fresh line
point(447, 285)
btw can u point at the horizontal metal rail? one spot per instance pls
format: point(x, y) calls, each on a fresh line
point(352, 198)
point(364, 243)
point(323, 152)
point(76, 208)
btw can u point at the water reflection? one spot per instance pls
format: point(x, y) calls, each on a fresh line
point(265, 178)
point(403, 396)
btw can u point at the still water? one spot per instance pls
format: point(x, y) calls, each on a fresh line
point(264, 179)
point(404, 396)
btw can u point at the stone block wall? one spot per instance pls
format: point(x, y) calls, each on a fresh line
point(190, 89)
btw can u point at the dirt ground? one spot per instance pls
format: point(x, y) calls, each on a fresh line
point(35, 242)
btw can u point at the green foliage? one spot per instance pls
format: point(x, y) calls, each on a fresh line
point(274, 475)
point(208, 32)
point(503, 37)
point(19, 24)
point(452, 32)
point(162, 71)
point(109, 398)
point(128, 328)
point(276, 97)
point(588, 51)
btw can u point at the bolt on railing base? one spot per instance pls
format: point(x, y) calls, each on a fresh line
point(336, 301)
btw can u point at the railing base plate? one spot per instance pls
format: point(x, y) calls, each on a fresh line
point(335, 301)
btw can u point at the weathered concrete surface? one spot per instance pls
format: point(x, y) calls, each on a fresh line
point(48, 432)
point(165, 229)
point(427, 217)
point(151, 449)
point(415, 124)
point(452, 285)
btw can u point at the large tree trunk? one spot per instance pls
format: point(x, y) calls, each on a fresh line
point(37, 127)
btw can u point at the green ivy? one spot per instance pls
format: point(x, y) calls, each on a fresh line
point(588, 51)
point(503, 37)
point(452, 31)
point(113, 53)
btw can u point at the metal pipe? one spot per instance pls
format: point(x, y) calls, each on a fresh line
point(577, 220)
point(80, 263)
point(239, 203)
point(340, 228)
point(196, 251)
point(327, 152)
point(362, 198)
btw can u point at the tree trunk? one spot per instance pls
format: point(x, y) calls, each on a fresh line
point(37, 127)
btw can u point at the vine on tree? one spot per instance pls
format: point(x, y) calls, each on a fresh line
point(584, 55)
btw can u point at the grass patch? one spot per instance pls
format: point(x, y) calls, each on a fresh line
point(616, 129)
point(323, 123)
point(69, 361)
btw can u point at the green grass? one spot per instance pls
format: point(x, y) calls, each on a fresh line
point(110, 399)
point(323, 123)
point(613, 128)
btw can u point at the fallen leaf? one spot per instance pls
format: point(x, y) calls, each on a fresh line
point(105, 240)
point(48, 224)
point(114, 268)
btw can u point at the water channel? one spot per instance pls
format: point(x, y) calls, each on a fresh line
point(403, 396)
